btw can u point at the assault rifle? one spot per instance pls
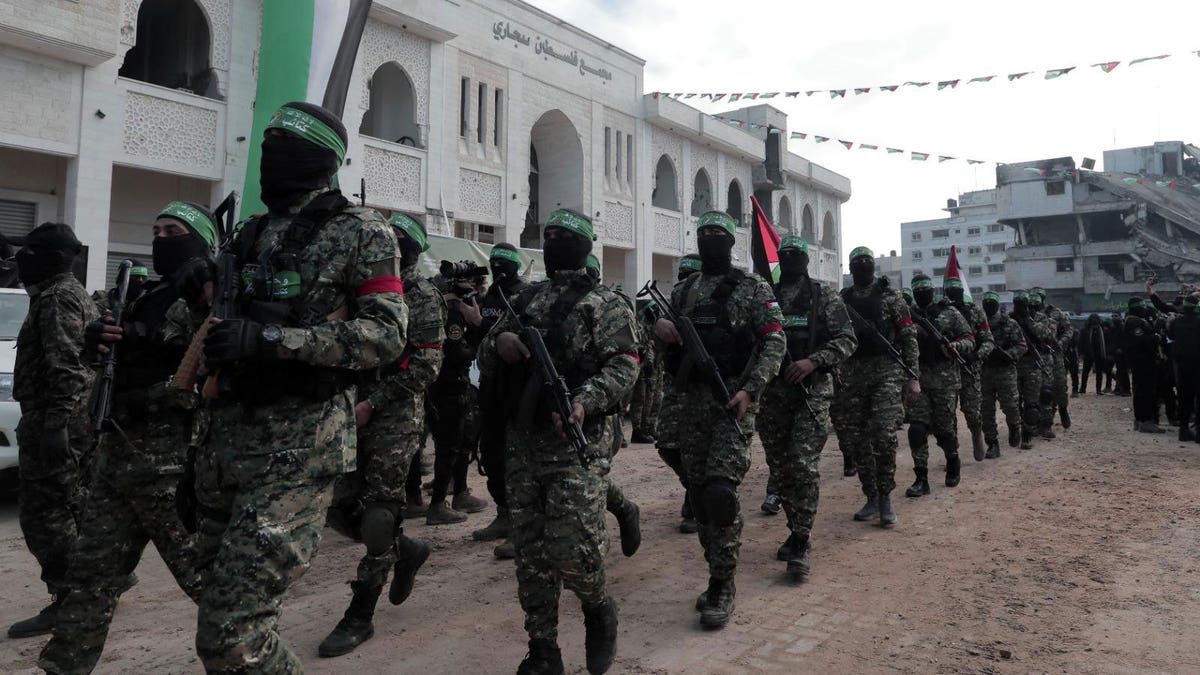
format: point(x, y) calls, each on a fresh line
point(1033, 344)
point(102, 393)
point(882, 341)
point(695, 348)
point(947, 346)
point(551, 379)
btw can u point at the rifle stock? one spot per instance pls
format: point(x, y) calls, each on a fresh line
point(883, 342)
point(944, 341)
point(102, 394)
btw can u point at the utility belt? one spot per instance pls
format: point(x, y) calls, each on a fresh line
point(264, 384)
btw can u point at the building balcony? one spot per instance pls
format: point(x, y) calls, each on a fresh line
point(394, 175)
point(77, 32)
point(172, 131)
point(668, 231)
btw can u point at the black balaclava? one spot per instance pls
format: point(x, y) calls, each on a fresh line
point(410, 251)
point(991, 307)
point(862, 269)
point(137, 284)
point(291, 167)
point(1035, 302)
point(172, 253)
point(505, 272)
point(954, 294)
point(793, 264)
point(716, 253)
point(922, 292)
point(567, 251)
point(1020, 308)
point(49, 250)
point(684, 270)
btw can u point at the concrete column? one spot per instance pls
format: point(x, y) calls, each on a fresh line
point(521, 117)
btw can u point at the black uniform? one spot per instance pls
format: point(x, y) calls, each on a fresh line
point(1184, 332)
point(492, 419)
point(1141, 351)
point(453, 414)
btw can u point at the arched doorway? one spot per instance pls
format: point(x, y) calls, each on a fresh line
point(701, 194)
point(808, 229)
point(392, 115)
point(555, 173)
point(734, 203)
point(172, 48)
point(785, 216)
point(666, 194)
point(828, 235)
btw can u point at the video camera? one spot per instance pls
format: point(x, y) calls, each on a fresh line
point(463, 270)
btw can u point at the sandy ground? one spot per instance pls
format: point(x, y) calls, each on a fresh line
point(1077, 556)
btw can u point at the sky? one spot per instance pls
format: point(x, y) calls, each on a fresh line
point(767, 45)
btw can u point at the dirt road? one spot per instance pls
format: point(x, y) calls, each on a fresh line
point(1077, 556)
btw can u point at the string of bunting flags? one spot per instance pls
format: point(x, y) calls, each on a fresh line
point(941, 85)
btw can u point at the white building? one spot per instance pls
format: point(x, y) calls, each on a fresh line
point(981, 243)
point(479, 118)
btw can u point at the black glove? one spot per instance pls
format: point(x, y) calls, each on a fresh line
point(190, 279)
point(56, 447)
point(185, 493)
point(233, 340)
point(92, 332)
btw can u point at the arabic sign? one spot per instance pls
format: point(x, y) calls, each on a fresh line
point(503, 30)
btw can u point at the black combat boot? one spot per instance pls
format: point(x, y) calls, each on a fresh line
point(719, 606)
point(869, 510)
point(848, 466)
point(40, 624)
point(953, 468)
point(799, 563)
point(887, 517)
point(978, 446)
point(1185, 433)
point(628, 521)
point(687, 522)
point(600, 635)
point(920, 486)
point(544, 658)
point(1064, 417)
point(772, 504)
point(497, 529)
point(1014, 436)
point(411, 554)
point(787, 548)
point(1047, 433)
point(1026, 439)
point(355, 627)
point(993, 450)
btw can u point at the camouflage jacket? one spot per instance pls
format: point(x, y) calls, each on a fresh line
point(649, 347)
point(897, 313)
point(1064, 330)
point(599, 330)
point(835, 340)
point(50, 375)
point(1008, 339)
point(1038, 333)
point(422, 359)
point(984, 341)
point(751, 306)
point(940, 371)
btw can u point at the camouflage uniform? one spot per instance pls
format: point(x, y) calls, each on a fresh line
point(556, 504)
point(713, 451)
point(265, 478)
point(818, 329)
point(998, 377)
point(868, 406)
point(935, 409)
point(53, 384)
point(969, 394)
point(1030, 373)
point(1064, 337)
point(131, 498)
point(1045, 328)
point(648, 392)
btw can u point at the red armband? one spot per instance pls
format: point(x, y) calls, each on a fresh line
point(960, 338)
point(906, 321)
point(770, 328)
point(431, 345)
point(632, 355)
point(382, 284)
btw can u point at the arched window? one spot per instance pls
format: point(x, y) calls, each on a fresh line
point(784, 221)
point(393, 112)
point(828, 235)
point(701, 194)
point(734, 202)
point(172, 48)
point(808, 229)
point(665, 195)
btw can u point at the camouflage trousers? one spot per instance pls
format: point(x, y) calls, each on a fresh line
point(969, 396)
point(1056, 376)
point(131, 502)
point(793, 441)
point(999, 384)
point(712, 448)
point(557, 509)
point(867, 410)
point(264, 483)
point(1029, 382)
point(647, 401)
point(935, 411)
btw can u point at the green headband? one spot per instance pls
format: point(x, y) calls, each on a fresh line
point(792, 241)
point(718, 219)
point(139, 271)
point(906, 292)
point(310, 129)
point(593, 263)
point(1135, 303)
point(571, 221)
point(505, 254)
point(991, 295)
point(952, 283)
point(860, 252)
point(194, 219)
point(690, 264)
point(1020, 295)
point(1040, 292)
point(922, 284)
point(411, 229)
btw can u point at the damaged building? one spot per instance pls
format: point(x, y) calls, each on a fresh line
point(1092, 238)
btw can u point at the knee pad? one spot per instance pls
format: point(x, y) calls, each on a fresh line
point(1045, 396)
point(948, 442)
point(918, 434)
point(379, 526)
point(346, 518)
point(721, 501)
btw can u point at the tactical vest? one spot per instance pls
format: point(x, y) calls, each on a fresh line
point(930, 346)
point(1186, 331)
point(729, 347)
point(144, 359)
point(491, 307)
point(870, 308)
point(800, 322)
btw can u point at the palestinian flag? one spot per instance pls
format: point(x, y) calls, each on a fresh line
point(764, 245)
point(955, 271)
point(307, 53)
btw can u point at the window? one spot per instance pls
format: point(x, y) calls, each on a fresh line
point(733, 201)
point(171, 48)
point(665, 194)
point(997, 288)
point(916, 236)
point(1064, 264)
point(392, 115)
point(17, 218)
point(996, 248)
point(996, 269)
point(701, 194)
point(483, 97)
point(939, 271)
point(808, 230)
point(607, 149)
point(916, 272)
point(974, 250)
point(940, 234)
point(941, 252)
point(828, 234)
point(464, 106)
point(916, 255)
point(1056, 187)
point(972, 231)
point(1114, 265)
point(975, 270)
point(618, 155)
point(629, 157)
point(497, 117)
point(996, 227)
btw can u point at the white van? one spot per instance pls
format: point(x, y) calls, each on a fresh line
point(14, 305)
